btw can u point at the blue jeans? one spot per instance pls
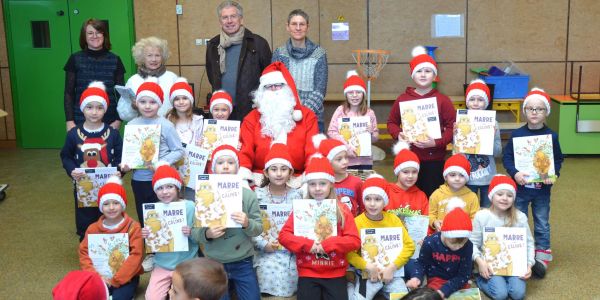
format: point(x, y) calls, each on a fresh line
point(540, 210)
point(126, 291)
point(484, 200)
point(502, 287)
point(243, 278)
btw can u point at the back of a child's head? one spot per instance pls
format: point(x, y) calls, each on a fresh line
point(80, 285)
point(423, 293)
point(203, 278)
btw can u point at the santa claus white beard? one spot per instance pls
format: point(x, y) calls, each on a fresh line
point(276, 109)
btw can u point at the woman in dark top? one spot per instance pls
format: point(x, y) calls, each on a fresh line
point(94, 62)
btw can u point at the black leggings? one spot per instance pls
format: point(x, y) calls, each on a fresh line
point(430, 176)
point(143, 193)
point(310, 288)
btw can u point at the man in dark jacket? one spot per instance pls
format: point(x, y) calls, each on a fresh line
point(236, 58)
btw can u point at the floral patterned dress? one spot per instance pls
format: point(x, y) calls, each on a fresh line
point(276, 271)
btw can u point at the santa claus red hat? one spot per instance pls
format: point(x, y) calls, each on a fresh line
point(81, 285)
point(150, 88)
point(165, 174)
point(95, 92)
point(375, 185)
point(457, 223)
point(502, 182)
point(457, 163)
point(223, 150)
point(112, 190)
point(278, 154)
point(354, 83)
point(478, 87)
point(278, 73)
point(95, 143)
point(318, 167)
point(539, 94)
point(328, 147)
point(181, 87)
point(220, 97)
point(421, 60)
point(404, 158)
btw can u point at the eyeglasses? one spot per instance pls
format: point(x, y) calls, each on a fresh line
point(231, 17)
point(535, 110)
point(275, 86)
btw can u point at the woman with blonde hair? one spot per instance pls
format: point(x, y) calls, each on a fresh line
point(150, 55)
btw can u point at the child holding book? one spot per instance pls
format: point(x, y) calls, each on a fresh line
point(276, 275)
point(445, 256)
point(112, 201)
point(221, 105)
point(200, 278)
point(483, 167)
point(322, 264)
point(347, 186)
point(456, 173)
point(166, 183)
point(354, 106)
point(233, 247)
point(536, 107)
point(430, 151)
point(187, 124)
point(92, 144)
point(502, 213)
point(371, 279)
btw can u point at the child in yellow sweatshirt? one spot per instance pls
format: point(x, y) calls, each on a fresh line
point(456, 174)
point(371, 278)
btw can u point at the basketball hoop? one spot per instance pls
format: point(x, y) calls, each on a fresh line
point(368, 64)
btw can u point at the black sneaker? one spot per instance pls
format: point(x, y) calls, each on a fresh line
point(539, 269)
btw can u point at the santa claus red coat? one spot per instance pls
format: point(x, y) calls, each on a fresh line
point(255, 145)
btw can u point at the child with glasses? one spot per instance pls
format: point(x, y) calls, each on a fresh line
point(536, 107)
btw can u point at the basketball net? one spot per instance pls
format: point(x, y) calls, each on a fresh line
point(368, 64)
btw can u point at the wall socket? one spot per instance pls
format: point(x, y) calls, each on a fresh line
point(179, 9)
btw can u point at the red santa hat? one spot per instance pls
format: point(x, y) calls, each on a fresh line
point(224, 150)
point(112, 190)
point(95, 92)
point(328, 147)
point(165, 174)
point(457, 163)
point(318, 167)
point(537, 93)
point(220, 97)
point(278, 154)
point(457, 223)
point(478, 87)
point(181, 87)
point(150, 88)
point(277, 73)
point(502, 182)
point(375, 185)
point(354, 83)
point(95, 143)
point(404, 158)
point(81, 285)
point(421, 60)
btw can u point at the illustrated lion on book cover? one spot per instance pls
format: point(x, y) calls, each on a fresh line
point(466, 140)
point(210, 209)
point(373, 252)
point(160, 238)
point(497, 256)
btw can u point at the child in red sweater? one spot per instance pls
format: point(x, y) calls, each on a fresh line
point(431, 151)
point(347, 187)
point(322, 264)
point(112, 200)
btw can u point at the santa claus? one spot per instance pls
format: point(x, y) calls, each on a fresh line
point(278, 117)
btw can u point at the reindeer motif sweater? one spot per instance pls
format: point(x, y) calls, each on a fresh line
point(91, 149)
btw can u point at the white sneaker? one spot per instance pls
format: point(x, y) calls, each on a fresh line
point(148, 263)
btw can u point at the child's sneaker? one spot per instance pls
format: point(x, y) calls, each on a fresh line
point(148, 263)
point(542, 259)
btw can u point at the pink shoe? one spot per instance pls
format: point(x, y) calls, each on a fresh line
point(542, 259)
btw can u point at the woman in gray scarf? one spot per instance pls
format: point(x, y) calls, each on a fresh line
point(307, 62)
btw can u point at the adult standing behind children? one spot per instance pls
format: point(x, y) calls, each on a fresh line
point(307, 63)
point(431, 152)
point(150, 56)
point(235, 58)
point(94, 62)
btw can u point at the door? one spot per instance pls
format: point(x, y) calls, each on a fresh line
point(41, 35)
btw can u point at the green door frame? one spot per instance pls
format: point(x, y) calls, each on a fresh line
point(8, 22)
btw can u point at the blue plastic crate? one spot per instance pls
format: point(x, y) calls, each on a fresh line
point(508, 87)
